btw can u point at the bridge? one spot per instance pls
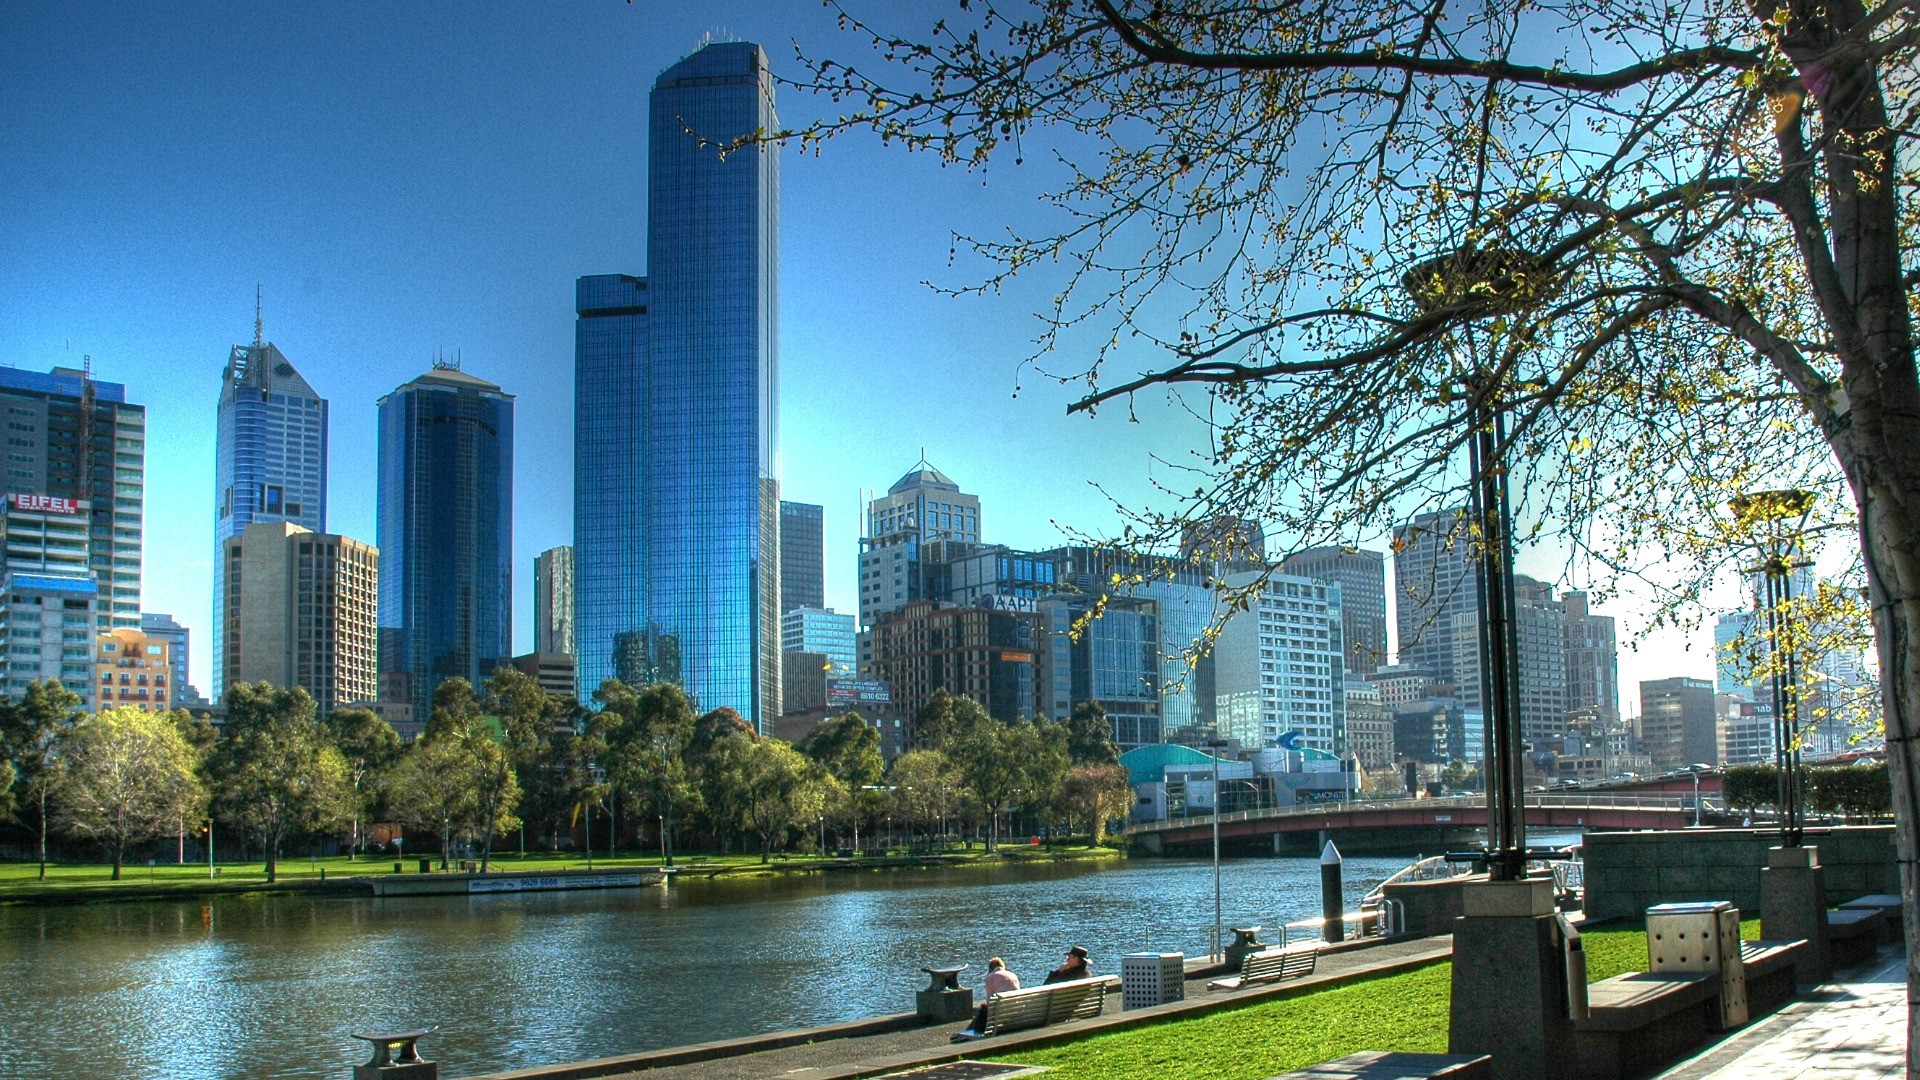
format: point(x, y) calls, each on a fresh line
point(1399, 824)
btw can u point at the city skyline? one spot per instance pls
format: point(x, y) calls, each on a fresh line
point(341, 245)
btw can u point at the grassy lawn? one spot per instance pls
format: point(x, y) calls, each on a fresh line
point(1405, 1012)
point(21, 879)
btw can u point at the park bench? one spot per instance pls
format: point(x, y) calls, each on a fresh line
point(1770, 973)
point(1043, 1006)
point(1853, 935)
point(1382, 1065)
point(1639, 1022)
point(1888, 905)
point(1272, 965)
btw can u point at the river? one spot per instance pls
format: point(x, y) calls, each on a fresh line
point(273, 986)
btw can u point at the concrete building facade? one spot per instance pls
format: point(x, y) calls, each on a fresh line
point(1363, 599)
point(1278, 666)
point(302, 611)
point(132, 669)
point(48, 620)
point(553, 601)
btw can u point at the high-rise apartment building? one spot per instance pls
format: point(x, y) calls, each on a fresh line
point(166, 628)
point(923, 508)
point(553, 593)
point(1435, 577)
point(1540, 624)
point(1593, 658)
point(70, 436)
point(1277, 665)
point(446, 531)
point(982, 653)
point(1363, 598)
point(676, 505)
point(803, 556)
point(47, 595)
point(132, 669)
point(303, 611)
point(269, 461)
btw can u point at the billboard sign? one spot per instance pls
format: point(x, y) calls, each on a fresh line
point(1019, 605)
point(45, 504)
point(843, 692)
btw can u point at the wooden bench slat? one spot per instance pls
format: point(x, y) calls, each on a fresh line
point(1042, 1006)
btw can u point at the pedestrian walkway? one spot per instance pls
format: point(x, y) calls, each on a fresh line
point(1854, 1028)
point(871, 1055)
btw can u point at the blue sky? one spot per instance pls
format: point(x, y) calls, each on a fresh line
point(407, 177)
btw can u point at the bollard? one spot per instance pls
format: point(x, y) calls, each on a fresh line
point(398, 867)
point(944, 999)
point(395, 1058)
point(1332, 929)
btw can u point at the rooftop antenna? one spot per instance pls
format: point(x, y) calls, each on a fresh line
point(259, 327)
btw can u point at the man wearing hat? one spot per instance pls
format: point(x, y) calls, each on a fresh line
point(1075, 967)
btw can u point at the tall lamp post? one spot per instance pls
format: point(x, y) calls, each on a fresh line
point(1783, 515)
point(1216, 745)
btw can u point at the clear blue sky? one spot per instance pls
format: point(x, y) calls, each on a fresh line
point(403, 178)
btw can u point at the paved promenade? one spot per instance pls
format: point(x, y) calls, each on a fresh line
point(873, 1055)
point(1853, 1028)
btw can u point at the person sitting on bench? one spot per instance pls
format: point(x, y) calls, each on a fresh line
point(1075, 967)
point(998, 981)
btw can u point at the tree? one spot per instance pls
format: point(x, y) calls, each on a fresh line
point(276, 772)
point(648, 746)
point(849, 749)
point(431, 789)
point(369, 746)
point(1097, 794)
point(927, 790)
point(532, 722)
point(1090, 735)
point(767, 787)
point(1675, 245)
point(946, 721)
point(480, 763)
point(31, 734)
point(128, 777)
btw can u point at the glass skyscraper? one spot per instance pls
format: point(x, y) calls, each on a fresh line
point(269, 464)
point(676, 504)
point(446, 531)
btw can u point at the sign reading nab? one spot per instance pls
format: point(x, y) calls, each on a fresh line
point(45, 504)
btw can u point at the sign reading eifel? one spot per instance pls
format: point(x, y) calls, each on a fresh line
point(46, 504)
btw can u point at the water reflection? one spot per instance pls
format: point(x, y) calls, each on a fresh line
point(273, 986)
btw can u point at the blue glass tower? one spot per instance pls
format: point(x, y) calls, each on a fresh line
point(446, 531)
point(676, 503)
point(269, 464)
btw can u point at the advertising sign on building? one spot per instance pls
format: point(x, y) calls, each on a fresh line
point(45, 504)
point(1019, 605)
point(843, 692)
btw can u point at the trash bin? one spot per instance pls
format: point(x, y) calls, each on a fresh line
point(1149, 978)
point(426, 866)
point(1701, 937)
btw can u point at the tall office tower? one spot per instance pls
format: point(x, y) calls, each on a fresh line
point(820, 630)
point(803, 564)
point(1435, 577)
point(178, 638)
point(47, 595)
point(923, 507)
point(303, 612)
point(131, 669)
point(676, 504)
point(269, 461)
point(1541, 632)
point(553, 594)
point(1593, 659)
point(1277, 665)
point(70, 436)
point(1363, 598)
point(446, 531)
point(1678, 723)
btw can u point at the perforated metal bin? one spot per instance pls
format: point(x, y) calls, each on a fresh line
point(1701, 937)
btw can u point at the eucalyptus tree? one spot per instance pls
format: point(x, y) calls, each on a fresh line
point(31, 733)
point(275, 771)
point(369, 746)
point(1672, 246)
point(128, 776)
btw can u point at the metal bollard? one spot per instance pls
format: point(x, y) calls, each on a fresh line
point(395, 1058)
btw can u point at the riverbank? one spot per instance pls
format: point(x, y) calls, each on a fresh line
point(69, 883)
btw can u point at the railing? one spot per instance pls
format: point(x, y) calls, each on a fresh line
point(1535, 799)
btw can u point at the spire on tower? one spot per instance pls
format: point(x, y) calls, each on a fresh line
point(259, 327)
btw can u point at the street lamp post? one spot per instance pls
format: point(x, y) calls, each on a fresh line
point(1779, 558)
point(1216, 744)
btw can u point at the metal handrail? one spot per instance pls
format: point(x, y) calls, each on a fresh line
point(1540, 799)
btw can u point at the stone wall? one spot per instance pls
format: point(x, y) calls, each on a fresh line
point(1628, 872)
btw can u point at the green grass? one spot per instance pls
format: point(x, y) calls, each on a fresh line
point(1405, 1012)
point(20, 880)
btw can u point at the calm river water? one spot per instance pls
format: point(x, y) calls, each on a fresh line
point(273, 986)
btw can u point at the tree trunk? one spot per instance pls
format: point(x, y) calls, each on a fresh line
point(118, 854)
point(273, 858)
point(43, 828)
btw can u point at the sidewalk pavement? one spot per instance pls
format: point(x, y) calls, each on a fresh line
point(1854, 1028)
point(872, 1055)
